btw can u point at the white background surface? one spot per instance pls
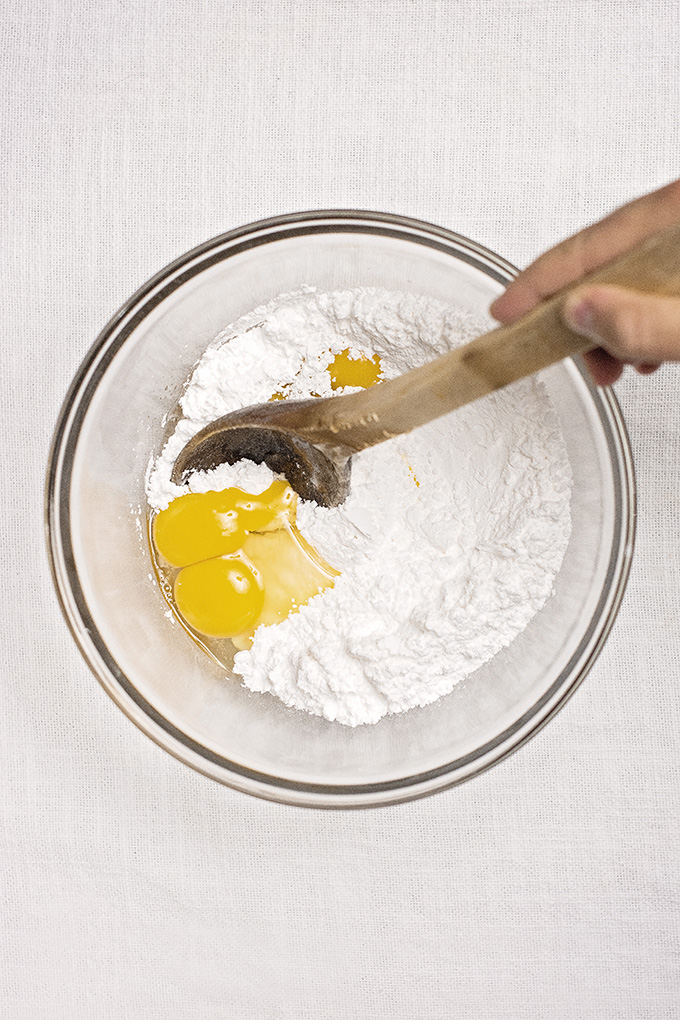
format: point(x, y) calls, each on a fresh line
point(135, 888)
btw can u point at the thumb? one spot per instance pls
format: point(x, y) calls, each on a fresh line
point(631, 326)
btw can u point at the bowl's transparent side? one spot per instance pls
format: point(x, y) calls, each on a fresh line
point(167, 684)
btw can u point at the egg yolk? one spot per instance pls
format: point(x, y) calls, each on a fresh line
point(200, 525)
point(268, 511)
point(346, 370)
point(219, 597)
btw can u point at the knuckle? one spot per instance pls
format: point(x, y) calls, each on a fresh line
point(632, 329)
point(645, 328)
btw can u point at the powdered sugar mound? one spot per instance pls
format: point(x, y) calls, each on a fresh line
point(450, 539)
point(436, 578)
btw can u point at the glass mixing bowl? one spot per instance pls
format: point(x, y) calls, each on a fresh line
point(114, 418)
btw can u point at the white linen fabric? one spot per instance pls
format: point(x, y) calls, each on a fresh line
point(136, 888)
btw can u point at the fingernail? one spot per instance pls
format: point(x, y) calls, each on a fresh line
point(579, 316)
point(493, 306)
point(647, 367)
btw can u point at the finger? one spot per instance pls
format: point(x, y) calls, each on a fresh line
point(604, 368)
point(602, 242)
point(635, 328)
point(646, 368)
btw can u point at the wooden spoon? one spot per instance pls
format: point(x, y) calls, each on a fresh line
point(311, 441)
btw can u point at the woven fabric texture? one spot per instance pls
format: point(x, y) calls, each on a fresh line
point(136, 888)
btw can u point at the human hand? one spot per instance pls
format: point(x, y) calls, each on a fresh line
point(632, 328)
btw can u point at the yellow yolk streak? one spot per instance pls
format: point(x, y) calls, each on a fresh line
point(292, 573)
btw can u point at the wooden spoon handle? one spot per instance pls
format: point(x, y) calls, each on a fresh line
point(489, 362)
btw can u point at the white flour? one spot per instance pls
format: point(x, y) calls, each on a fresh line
point(437, 576)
